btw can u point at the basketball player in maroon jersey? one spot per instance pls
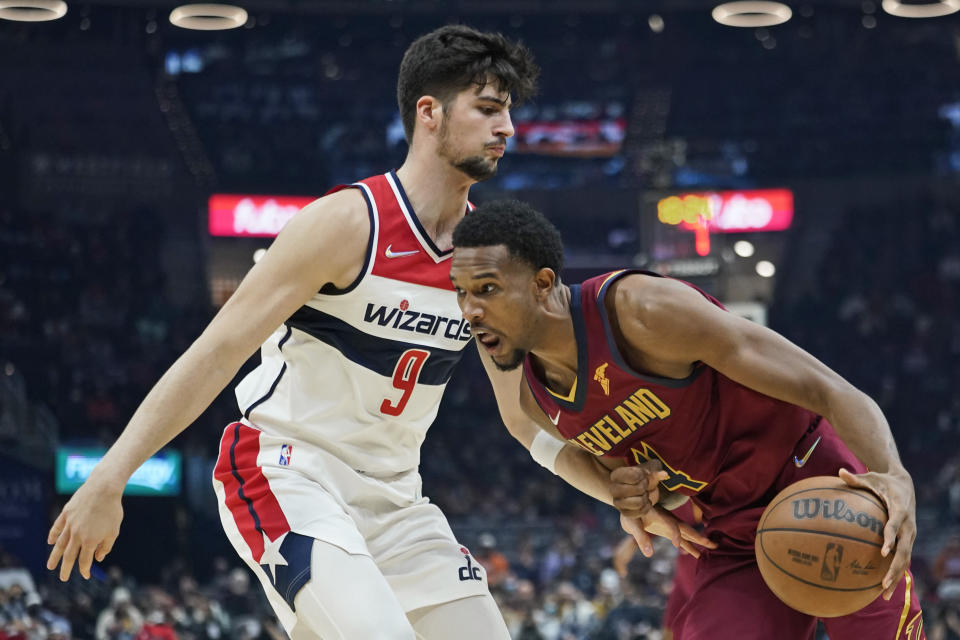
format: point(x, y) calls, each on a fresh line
point(633, 367)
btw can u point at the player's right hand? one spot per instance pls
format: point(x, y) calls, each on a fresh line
point(85, 529)
point(660, 522)
point(635, 489)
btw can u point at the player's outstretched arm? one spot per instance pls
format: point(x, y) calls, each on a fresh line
point(575, 466)
point(326, 242)
point(587, 473)
point(675, 326)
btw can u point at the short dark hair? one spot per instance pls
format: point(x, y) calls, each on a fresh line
point(526, 232)
point(449, 59)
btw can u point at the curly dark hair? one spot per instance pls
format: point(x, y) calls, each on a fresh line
point(449, 59)
point(526, 232)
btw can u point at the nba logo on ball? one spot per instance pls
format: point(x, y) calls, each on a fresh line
point(832, 558)
point(286, 451)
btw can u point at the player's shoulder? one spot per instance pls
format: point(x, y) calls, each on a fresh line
point(650, 301)
point(344, 206)
point(342, 214)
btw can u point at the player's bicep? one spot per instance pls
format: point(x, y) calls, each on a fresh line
point(326, 242)
point(680, 324)
point(762, 359)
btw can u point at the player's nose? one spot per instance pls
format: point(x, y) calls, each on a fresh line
point(504, 127)
point(471, 310)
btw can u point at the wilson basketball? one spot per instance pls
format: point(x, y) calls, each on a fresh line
point(818, 546)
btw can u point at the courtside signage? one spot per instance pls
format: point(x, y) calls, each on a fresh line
point(729, 211)
point(238, 216)
point(158, 476)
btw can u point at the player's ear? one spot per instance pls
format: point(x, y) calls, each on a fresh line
point(545, 280)
point(429, 112)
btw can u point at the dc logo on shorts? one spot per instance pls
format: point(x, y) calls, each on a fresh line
point(468, 572)
point(286, 452)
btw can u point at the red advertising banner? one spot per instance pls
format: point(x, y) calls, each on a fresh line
point(236, 215)
point(729, 211)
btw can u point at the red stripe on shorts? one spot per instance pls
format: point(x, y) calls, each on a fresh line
point(248, 496)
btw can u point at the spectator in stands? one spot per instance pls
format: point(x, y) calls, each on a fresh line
point(157, 627)
point(495, 563)
point(946, 570)
point(121, 620)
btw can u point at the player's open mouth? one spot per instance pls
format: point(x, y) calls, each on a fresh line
point(489, 341)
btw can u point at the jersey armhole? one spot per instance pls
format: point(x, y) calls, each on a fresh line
point(614, 350)
point(329, 289)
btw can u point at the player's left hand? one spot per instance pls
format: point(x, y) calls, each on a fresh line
point(896, 491)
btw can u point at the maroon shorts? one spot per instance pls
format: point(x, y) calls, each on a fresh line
point(723, 596)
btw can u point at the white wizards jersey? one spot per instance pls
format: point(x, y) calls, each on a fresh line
point(360, 371)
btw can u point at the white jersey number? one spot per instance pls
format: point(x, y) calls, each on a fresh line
point(405, 376)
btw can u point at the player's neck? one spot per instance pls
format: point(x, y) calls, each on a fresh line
point(556, 349)
point(437, 192)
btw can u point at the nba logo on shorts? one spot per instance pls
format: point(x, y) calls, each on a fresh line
point(286, 451)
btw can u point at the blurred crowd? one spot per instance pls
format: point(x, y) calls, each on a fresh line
point(326, 97)
point(581, 586)
point(113, 606)
point(83, 315)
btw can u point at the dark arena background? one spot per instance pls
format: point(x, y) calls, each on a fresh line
point(806, 173)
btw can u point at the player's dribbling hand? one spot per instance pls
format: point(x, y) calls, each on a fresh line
point(635, 489)
point(660, 522)
point(896, 491)
point(85, 529)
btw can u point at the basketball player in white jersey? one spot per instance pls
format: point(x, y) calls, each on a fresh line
point(318, 484)
point(360, 329)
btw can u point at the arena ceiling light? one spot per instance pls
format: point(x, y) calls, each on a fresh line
point(926, 10)
point(32, 10)
point(752, 14)
point(208, 17)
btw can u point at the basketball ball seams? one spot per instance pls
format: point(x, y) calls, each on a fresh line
point(832, 534)
point(810, 583)
point(802, 580)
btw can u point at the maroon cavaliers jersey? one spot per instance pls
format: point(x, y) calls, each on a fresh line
point(721, 442)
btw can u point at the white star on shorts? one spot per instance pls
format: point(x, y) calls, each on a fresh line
point(271, 554)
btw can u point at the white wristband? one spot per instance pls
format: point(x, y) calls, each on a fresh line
point(545, 449)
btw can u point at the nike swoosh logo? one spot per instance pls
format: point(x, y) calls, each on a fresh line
point(398, 254)
point(802, 461)
point(555, 419)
